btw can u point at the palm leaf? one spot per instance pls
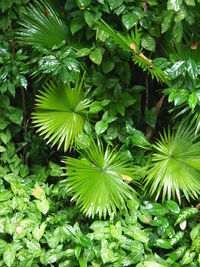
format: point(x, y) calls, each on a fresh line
point(41, 25)
point(60, 113)
point(131, 44)
point(96, 180)
point(175, 165)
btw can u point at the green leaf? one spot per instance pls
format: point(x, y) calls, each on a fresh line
point(185, 214)
point(60, 113)
point(188, 257)
point(96, 182)
point(101, 127)
point(86, 241)
point(159, 221)
point(166, 21)
point(138, 234)
point(83, 3)
point(154, 209)
point(148, 42)
point(9, 256)
point(5, 209)
point(190, 2)
point(115, 3)
point(174, 5)
point(195, 232)
point(107, 65)
point(129, 20)
point(77, 24)
point(176, 238)
point(192, 68)
point(139, 139)
point(5, 195)
point(15, 115)
point(150, 264)
point(192, 100)
point(39, 29)
point(116, 231)
point(83, 262)
point(96, 56)
point(178, 253)
point(107, 254)
point(95, 107)
point(32, 245)
point(5, 5)
point(178, 32)
point(2, 149)
point(150, 117)
point(172, 206)
point(83, 52)
point(91, 17)
point(161, 243)
point(43, 205)
point(120, 108)
point(38, 231)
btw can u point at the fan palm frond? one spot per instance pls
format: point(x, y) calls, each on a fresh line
point(60, 112)
point(42, 26)
point(97, 180)
point(131, 44)
point(175, 164)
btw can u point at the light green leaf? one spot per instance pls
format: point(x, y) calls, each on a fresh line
point(43, 205)
point(101, 127)
point(174, 5)
point(9, 256)
point(139, 139)
point(192, 100)
point(38, 231)
point(190, 2)
point(195, 232)
point(83, 52)
point(185, 214)
point(2, 149)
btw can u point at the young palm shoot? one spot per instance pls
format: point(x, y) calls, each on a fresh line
point(96, 180)
point(60, 113)
point(175, 167)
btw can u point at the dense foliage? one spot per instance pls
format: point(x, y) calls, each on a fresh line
point(106, 83)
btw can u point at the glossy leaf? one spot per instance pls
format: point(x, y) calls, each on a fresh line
point(95, 181)
point(185, 214)
point(60, 113)
point(39, 25)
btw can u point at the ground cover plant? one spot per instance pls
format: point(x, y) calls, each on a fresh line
point(99, 133)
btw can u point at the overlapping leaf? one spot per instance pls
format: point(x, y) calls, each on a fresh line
point(175, 164)
point(60, 112)
point(42, 25)
point(96, 181)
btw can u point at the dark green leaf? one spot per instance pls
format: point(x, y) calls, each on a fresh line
point(148, 42)
point(96, 56)
point(129, 20)
point(172, 206)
